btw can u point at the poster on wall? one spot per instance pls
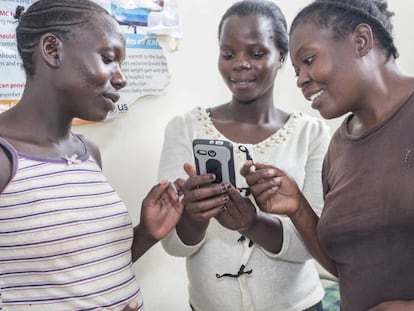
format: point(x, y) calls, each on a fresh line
point(143, 22)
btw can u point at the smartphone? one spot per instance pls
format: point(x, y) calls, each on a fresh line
point(215, 156)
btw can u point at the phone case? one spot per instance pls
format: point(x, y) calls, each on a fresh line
point(215, 156)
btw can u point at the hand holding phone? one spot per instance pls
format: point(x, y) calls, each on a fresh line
point(216, 157)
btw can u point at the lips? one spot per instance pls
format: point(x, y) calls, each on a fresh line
point(243, 81)
point(114, 97)
point(314, 96)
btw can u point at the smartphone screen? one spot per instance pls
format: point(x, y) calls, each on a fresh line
point(215, 156)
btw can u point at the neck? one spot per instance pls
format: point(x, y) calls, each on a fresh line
point(260, 110)
point(390, 90)
point(38, 110)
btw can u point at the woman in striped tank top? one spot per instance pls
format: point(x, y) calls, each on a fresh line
point(66, 239)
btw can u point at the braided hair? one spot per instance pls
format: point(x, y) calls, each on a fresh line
point(343, 16)
point(59, 17)
point(262, 8)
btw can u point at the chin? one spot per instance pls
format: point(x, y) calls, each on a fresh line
point(326, 113)
point(245, 99)
point(329, 115)
point(96, 117)
point(101, 118)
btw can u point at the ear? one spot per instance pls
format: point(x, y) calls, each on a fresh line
point(363, 38)
point(51, 49)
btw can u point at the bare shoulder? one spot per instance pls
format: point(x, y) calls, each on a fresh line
point(6, 167)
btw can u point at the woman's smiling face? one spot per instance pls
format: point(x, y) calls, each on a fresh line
point(249, 59)
point(327, 69)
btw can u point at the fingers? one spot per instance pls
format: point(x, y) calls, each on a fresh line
point(247, 168)
point(265, 184)
point(173, 187)
point(172, 193)
point(179, 184)
point(205, 193)
point(261, 168)
point(196, 181)
point(206, 202)
point(192, 182)
point(236, 199)
point(206, 209)
point(237, 215)
point(190, 169)
point(201, 197)
point(238, 204)
point(230, 209)
point(207, 214)
point(263, 175)
point(165, 194)
point(264, 196)
point(156, 192)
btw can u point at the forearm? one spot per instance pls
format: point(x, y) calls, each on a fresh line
point(142, 242)
point(394, 305)
point(267, 232)
point(190, 231)
point(306, 221)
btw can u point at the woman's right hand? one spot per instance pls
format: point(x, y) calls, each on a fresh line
point(202, 198)
point(274, 191)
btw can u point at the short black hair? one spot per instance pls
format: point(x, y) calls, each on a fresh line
point(262, 8)
point(59, 17)
point(343, 16)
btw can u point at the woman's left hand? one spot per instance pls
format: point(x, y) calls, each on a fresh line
point(274, 191)
point(161, 210)
point(238, 213)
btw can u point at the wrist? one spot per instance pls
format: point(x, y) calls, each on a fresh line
point(191, 231)
point(191, 222)
point(143, 234)
point(300, 212)
point(142, 241)
point(250, 226)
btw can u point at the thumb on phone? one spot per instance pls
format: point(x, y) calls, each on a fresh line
point(190, 169)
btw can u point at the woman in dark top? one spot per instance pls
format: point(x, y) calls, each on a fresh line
point(344, 57)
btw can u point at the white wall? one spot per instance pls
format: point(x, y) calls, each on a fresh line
point(131, 143)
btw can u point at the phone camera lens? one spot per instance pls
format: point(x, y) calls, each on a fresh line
point(211, 153)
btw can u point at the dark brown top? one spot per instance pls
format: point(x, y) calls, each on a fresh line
point(367, 224)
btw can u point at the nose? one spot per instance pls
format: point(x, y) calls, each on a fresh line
point(118, 79)
point(241, 64)
point(303, 78)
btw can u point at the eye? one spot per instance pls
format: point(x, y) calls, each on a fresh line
point(106, 59)
point(227, 55)
point(256, 54)
point(308, 60)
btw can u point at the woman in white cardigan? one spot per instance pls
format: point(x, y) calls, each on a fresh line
point(240, 258)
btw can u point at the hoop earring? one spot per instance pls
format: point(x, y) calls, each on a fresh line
point(281, 61)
